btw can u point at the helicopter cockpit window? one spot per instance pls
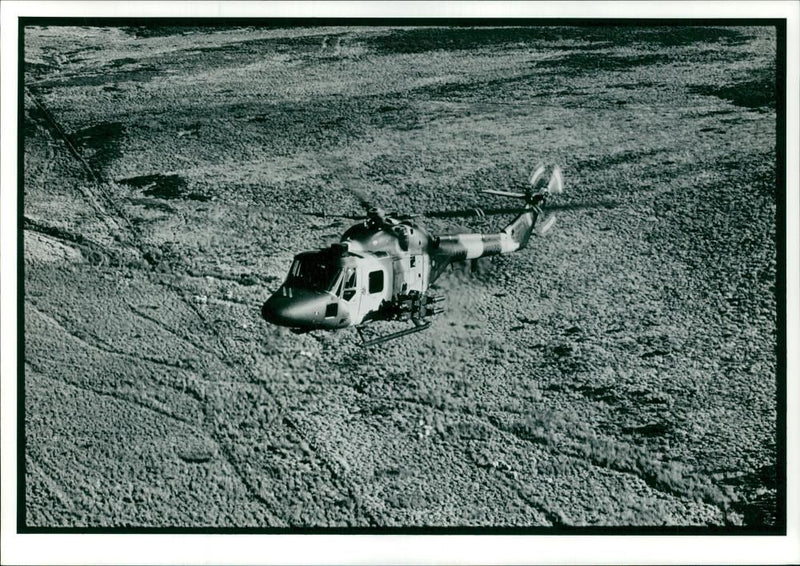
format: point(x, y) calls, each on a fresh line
point(313, 274)
point(349, 284)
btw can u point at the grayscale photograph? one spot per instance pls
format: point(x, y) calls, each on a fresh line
point(364, 276)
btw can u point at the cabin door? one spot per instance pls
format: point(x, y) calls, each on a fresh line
point(375, 287)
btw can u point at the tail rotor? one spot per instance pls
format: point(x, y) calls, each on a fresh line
point(540, 186)
point(536, 193)
point(539, 192)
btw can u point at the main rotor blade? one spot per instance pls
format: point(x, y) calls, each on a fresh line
point(515, 210)
point(326, 215)
point(503, 193)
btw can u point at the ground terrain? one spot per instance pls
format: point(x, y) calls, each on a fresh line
point(620, 371)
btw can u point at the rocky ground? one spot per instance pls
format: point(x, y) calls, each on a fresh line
point(619, 372)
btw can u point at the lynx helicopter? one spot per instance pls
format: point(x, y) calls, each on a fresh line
point(384, 266)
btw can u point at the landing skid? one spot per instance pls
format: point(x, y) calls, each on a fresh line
point(418, 327)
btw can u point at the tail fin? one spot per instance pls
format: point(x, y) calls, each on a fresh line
point(520, 229)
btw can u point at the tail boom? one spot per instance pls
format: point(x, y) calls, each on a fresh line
point(513, 237)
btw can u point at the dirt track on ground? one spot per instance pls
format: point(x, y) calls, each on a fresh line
point(620, 371)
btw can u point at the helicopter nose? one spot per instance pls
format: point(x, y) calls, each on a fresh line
point(268, 311)
point(295, 312)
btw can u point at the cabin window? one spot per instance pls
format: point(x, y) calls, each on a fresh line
point(332, 310)
point(349, 284)
point(376, 281)
point(413, 261)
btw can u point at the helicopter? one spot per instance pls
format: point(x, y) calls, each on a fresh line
point(383, 267)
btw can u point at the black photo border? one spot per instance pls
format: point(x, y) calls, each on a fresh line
point(780, 24)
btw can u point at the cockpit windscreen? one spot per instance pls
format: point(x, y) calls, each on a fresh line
point(313, 273)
